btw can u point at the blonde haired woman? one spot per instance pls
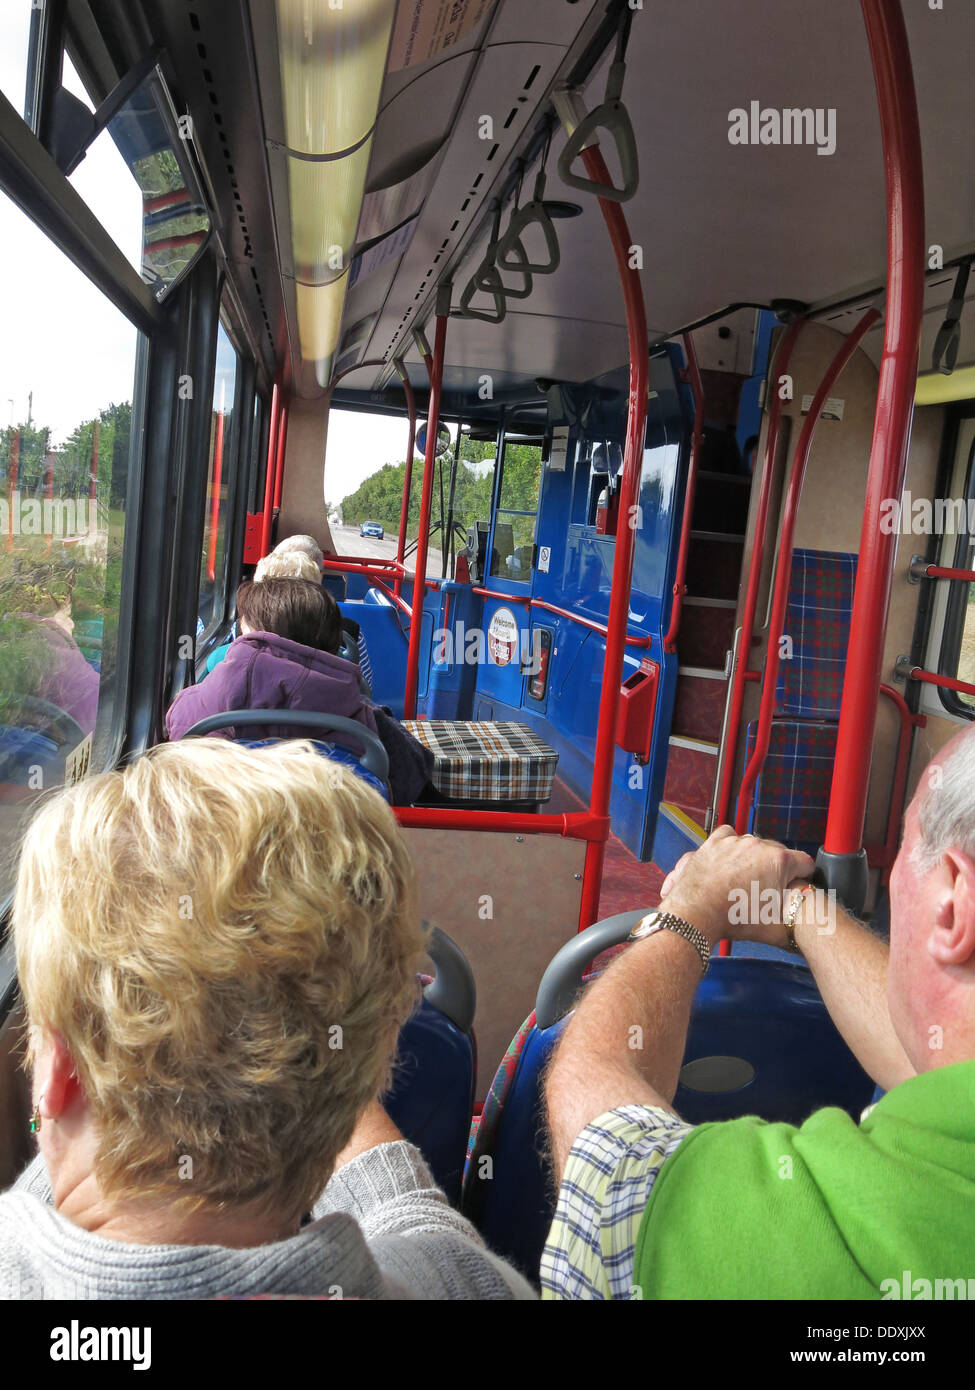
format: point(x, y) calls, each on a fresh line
point(217, 947)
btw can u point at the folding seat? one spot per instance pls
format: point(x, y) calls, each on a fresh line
point(760, 1042)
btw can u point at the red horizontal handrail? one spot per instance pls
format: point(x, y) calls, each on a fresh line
point(941, 572)
point(783, 569)
point(339, 562)
point(586, 622)
point(493, 593)
point(916, 673)
point(572, 825)
point(693, 371)
point(400, 602)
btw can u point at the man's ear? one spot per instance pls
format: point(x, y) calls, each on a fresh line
point(58, 1081)
point(953, 940)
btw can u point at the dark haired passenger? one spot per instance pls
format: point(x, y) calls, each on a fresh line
point(286, 658)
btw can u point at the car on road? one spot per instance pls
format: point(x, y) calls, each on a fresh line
point(371, 528)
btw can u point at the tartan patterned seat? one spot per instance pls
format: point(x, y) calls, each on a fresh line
point(485, 761)
point(792, 793)
point(791, 798)
point(817, 621)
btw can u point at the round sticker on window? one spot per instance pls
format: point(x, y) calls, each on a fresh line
point(502, 637)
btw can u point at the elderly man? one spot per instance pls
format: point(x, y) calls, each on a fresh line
point(651, 1207)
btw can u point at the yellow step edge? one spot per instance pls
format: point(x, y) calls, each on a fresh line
point(686, 822)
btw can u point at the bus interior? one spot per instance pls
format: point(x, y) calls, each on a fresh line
point(695, 276)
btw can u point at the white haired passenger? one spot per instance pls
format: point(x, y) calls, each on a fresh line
point(300, 557)
point(192, 933)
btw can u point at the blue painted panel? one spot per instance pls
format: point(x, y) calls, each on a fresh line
point(386, 637)
point(579, 578)
point(452, 676)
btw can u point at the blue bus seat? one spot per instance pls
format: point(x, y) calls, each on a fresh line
point(335, 754)
point(431, 1099)
point(760, 1042)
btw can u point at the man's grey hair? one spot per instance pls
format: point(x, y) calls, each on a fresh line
point(946, 806)
point(307, 545)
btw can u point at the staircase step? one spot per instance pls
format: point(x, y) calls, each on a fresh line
point(714, 565)
point(700, 701)
point(707, 632)
point(691, 771)
point(721, 502)
point(676, 832)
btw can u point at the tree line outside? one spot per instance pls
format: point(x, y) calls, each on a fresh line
point(379, 497)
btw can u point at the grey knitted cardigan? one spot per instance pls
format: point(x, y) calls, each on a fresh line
point(382, 1230)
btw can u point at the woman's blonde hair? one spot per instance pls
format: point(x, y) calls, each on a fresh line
point(304, 545)
point(287, 564)
point(227, 940)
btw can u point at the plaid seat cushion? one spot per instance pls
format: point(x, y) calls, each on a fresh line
point(487, 761)
point(817, 623)
point(792, 794)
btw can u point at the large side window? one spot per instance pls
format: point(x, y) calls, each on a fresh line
point(514, 528)
point(223, 463)
point(957, 655)
point(68, 362)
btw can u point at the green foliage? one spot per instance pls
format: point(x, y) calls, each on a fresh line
point(379, 498)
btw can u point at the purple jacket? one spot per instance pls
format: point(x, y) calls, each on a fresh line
point(264, 671)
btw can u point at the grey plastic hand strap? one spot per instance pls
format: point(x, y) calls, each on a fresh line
point(534, 213)
point(563, 977)
point(484, 280)
point(613, 117)
point(452, 989)
point(374, 757)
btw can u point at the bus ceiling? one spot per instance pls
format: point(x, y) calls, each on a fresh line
point(759, 145)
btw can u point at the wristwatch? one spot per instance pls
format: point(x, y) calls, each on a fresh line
point(668, 921)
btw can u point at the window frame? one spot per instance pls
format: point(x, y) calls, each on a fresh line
point(953, 625)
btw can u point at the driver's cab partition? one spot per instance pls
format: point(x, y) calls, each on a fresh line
point(483, 889)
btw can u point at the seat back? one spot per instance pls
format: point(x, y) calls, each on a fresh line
point(432, 1094)
point(760, 1042)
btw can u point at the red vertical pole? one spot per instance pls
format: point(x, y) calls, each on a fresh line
point(694, 373)
point(891, 58)
point(282, 448)
point(407, 478)
point(215, 488)
point(619, 600)
point(737, 699)
point(49, 496)
point(14, 476)
point(423, 536)
point(272, 453)
point(93, 476)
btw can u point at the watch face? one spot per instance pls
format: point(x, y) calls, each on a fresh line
point(646, 925)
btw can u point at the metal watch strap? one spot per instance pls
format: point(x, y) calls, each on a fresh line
point(795, 907)
point(669, 921)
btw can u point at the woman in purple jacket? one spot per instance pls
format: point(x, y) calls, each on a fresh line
point(286, 658)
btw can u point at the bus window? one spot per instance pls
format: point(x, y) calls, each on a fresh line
point(213, 566)
point(155, 214)
point(514, 529)
point(15, 28)
point(68, 361)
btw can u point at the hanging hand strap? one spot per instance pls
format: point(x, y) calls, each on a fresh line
point(948, 341)
point(613, 117)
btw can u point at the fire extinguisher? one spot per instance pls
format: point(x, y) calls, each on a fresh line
point(607, 510)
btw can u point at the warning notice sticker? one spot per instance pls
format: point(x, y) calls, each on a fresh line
point(425, 28)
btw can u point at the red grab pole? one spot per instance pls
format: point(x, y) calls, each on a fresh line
point(891, 58)
point(694, 372)
point(739, 675)
point(423, 535)
point(215, 493)
point(783, 568)
point(408, 475)
point(279, 462)
point(619, 599)
point(272, 453)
